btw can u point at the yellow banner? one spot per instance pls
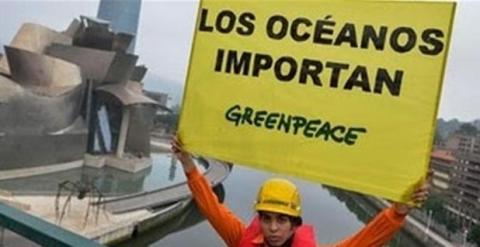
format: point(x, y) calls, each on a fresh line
point(340, 92)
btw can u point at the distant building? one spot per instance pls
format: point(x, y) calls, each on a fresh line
point(465, 187)
point(457, 176)
point(123, 16)
point(442, 162)
point(161, 98)
point(463, 143)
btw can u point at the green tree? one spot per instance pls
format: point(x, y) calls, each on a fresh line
point(175, 109)
point(474, 235)
point(452, 224)
point(438, 138)
point(434, 204)
point(468, 129)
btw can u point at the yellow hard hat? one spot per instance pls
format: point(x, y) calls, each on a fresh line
point(278, 196)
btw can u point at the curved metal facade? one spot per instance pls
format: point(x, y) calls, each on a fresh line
point(52, 86)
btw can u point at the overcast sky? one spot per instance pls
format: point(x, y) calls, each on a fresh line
point(166, 28)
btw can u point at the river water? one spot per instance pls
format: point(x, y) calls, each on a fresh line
point(334, 214)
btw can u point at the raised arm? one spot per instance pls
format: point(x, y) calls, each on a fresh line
point(386, 224)
point(226, 224)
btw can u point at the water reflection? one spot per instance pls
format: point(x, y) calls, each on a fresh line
point(365, 210)
point(189, 217)
point(110, 181)
point(173, 168)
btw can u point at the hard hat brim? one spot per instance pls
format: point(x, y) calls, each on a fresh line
point(276, 209)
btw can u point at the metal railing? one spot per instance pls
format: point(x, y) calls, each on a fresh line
point(39, 231)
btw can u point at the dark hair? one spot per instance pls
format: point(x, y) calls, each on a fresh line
point(295, 220)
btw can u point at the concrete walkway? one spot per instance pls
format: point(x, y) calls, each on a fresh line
point(159, 146)
point(39, 170)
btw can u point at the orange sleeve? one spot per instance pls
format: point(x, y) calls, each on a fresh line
point(378, 232)
point(228, 226)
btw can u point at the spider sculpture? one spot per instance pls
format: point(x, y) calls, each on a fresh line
point(81, 189)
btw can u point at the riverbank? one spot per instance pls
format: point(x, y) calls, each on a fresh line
point(415, 227)
point(117, 205)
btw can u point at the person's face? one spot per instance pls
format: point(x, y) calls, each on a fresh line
point(276, 228)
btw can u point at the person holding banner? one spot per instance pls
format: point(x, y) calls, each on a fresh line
point(278, 222)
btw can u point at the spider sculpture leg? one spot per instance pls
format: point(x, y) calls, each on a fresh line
point(66, 203)
point(65, 185)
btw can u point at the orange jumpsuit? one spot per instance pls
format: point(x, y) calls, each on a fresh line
point(231, 229)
